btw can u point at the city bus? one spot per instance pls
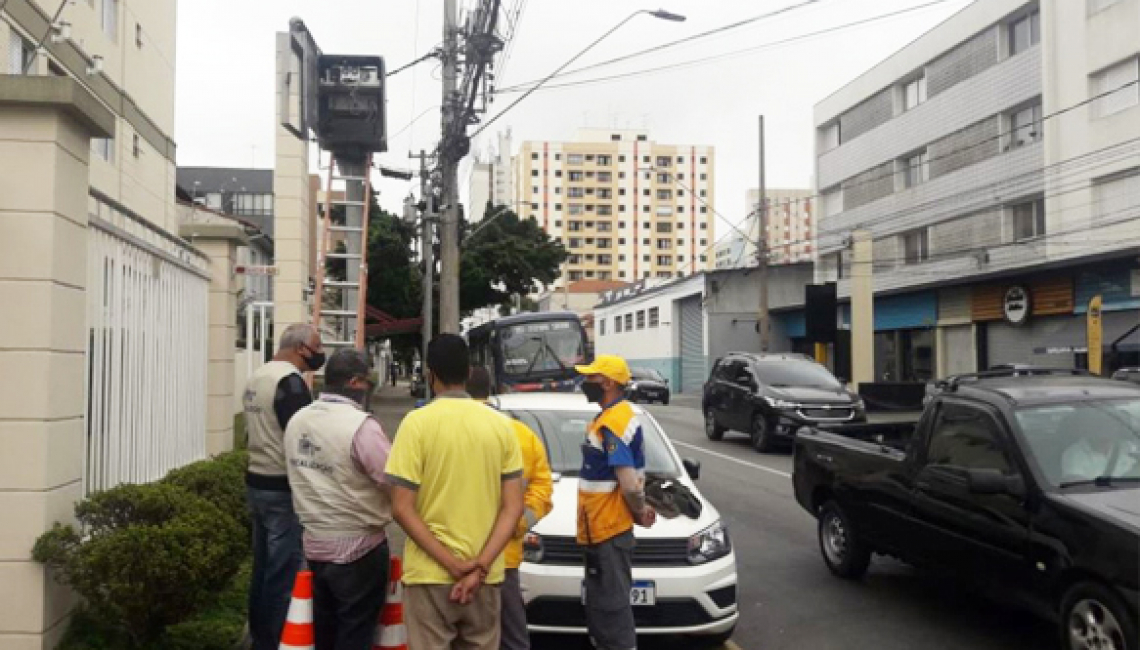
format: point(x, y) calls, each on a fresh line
point(530, 352)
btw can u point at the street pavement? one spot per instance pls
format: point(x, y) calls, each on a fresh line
point(788, 599)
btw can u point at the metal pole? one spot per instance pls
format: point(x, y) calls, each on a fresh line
point(428, 253)
point(762, 250)
point(449, 162)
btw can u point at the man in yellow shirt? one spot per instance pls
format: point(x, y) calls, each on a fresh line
point(456, 474)
point(537, 502)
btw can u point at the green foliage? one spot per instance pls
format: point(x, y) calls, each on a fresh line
point(150, 556)
point(506, 256)
point(220, 481)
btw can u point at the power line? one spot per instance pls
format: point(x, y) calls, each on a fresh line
point(725, 55)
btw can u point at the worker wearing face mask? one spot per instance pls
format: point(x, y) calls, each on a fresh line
point(274, 393)
point(611, 500)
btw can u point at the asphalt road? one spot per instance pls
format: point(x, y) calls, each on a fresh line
point(788, 599)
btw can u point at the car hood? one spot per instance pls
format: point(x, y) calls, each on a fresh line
point(648, 383)
point(1120, 505)
point(810, 394)
point(563, 520)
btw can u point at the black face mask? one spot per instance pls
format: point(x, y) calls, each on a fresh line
point(594, 392)
point(315, 361)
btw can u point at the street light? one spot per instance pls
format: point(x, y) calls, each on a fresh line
point(659, 13)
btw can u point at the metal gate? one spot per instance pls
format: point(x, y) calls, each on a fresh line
point(692, 344)
point(146, 351)
point(1009, 344)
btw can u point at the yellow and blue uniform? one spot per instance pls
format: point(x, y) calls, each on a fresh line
point(614, 439)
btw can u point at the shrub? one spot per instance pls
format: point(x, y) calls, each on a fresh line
point(220, 481)
point(150, 556)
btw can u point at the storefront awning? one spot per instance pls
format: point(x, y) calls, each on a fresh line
point(1073, 337)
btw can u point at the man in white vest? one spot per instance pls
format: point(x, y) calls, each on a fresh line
point(274, 393)
point(336, 453)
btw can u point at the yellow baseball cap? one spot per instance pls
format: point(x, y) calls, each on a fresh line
point(607, 365)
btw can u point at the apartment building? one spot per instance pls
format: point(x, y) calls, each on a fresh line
point(790, 230)
point(626, 207)
point(491, 179)
point(995, 163)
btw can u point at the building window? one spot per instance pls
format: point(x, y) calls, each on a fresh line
point(704, 210)
point(105, 149)
point(704, 160)
point(664, 244)
point(1024, 127)
point(575, 177)
point(664, 210)
point(605, 260)
point(605, 177)
point(664, 227)
point(604, 242)
point(575, 209)
point(602, 327)
point(605, 210)
point(605, 160)
point(654, 316)
point(664, 260)
point(1028, 220)
point(1024, 33)
point(914, 93)
point(646, 242)
point(534, 156)
point(704, 177)
point(575, 242)
point(20, 54)
point(641, 319)
point(589, 157)
point(916, 246)
point(534, 173)
point(645, 208)
point(110, 19)
point(1111, 86)
point(646, 258)
point(915, 169)
point(617, 324)
point(704, 242)
point(629, 322)
point(589, 273)
point(621, 159)
point(680, 176)
point(704, 193)
point(605, 194)
point(575, 192)
point(680, 209)
point(704, 226)
point(664, 178)
point(665, 274)
point(574, 226)
point(664, 195)
point(573, 159)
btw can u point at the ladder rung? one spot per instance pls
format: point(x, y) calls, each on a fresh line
point(358, 179)
point(343, 256)
point(348, 202)
point(340, 284)
point(342, 313)
point(346, 229)
point(338, 344)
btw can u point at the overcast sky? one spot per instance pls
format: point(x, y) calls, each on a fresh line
point(226, 75)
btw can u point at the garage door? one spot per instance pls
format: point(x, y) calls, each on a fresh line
point(692, 344)
point(1009, 344)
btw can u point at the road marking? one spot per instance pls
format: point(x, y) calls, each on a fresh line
point(734, 460)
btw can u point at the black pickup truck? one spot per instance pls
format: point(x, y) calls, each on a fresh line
point(1024, 486)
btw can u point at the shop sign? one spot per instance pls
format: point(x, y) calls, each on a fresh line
point(1017, 305)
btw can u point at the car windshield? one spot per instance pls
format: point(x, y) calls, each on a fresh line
point(645, 374)
point(788, 372)
point(542, 347)
point(563, 433)
point(1085, 442)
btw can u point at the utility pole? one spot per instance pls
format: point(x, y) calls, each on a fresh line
point(762, 251)
point(427, 252)
point(453, 129)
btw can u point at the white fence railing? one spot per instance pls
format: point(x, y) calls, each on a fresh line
point(147, 353)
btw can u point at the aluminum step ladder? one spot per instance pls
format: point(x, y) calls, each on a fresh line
point(349, 187)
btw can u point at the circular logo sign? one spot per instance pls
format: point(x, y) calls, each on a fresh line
point(1017, 305)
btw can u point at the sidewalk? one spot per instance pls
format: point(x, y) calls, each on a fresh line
point(390, 404)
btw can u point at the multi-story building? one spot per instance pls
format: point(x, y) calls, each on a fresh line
point(491, 179)
point(625, 207)
point(790, 231)
point(995, 162)
point(245, 193)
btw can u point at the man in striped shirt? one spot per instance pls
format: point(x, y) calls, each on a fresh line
point(336, 454)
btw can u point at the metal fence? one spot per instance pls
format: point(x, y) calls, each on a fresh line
point(147, 300)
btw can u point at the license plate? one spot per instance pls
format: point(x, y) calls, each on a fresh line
point(643, 593)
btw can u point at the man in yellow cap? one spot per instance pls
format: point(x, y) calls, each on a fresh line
point(611, 499)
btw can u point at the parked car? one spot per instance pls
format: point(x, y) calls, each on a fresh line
point(1025, 485)
point(684, 570)
point(1128, 374)
point(648, 386)
point(770, 396)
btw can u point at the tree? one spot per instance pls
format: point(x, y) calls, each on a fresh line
point(505, 256)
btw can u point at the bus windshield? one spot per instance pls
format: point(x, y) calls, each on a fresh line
point(549, 347)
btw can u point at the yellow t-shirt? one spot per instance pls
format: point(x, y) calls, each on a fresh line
point(539, 490)
point(455, 453)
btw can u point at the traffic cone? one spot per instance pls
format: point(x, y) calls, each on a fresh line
point(391, 633)
point(298, 633)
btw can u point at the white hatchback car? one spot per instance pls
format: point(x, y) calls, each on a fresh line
point(684, 570)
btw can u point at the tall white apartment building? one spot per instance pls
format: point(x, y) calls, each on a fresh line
point(625, 207)
point(790, 230)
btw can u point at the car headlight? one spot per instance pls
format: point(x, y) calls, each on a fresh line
point(860, 405)
point(532, 548)
point(710, 544)
point(777, 403)
point(633, 386)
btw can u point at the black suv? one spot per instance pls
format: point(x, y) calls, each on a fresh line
point(770, 396)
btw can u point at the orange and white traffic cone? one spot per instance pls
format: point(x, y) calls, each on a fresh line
point(299, 633)
point(391, 633)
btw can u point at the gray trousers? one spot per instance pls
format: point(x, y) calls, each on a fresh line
point(513, 613)
point(609, 579)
